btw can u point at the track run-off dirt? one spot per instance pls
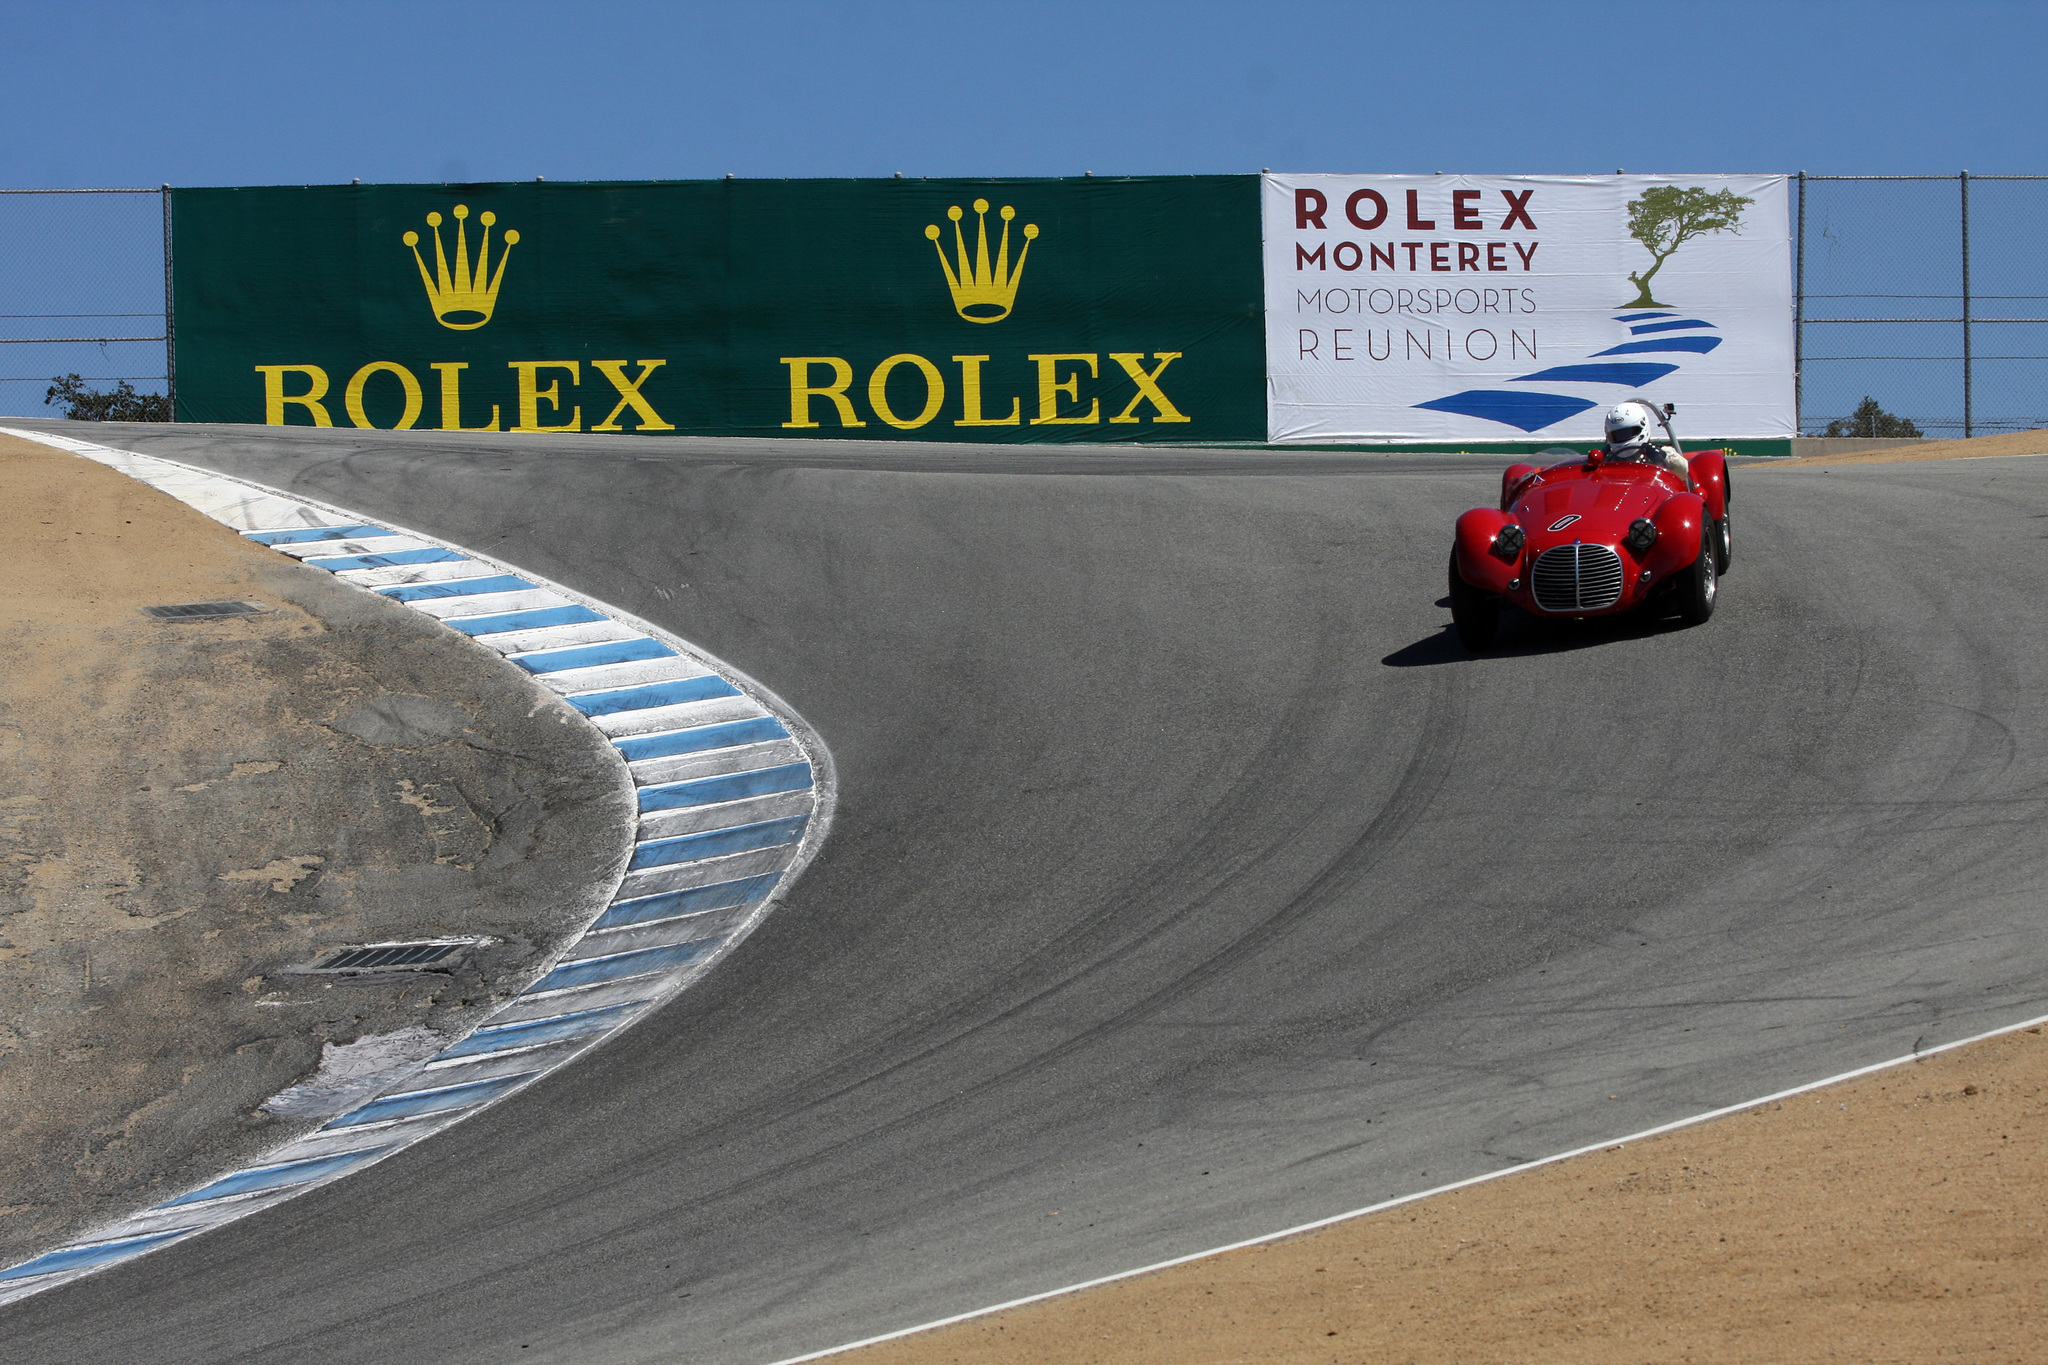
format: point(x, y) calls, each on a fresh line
point(1191, 883)
point(1975, 448)
point(189, 808)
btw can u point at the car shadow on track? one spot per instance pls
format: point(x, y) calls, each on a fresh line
point(1521, 635)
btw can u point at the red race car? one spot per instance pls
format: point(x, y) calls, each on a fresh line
point(1594, 536)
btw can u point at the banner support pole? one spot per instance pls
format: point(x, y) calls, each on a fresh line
point(1799, 317)
point(170, 321)
point(1969, 427)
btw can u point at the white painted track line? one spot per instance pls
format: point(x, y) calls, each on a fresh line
point(1395, 1203)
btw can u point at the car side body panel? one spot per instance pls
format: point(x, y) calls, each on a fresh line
point(1477, 564)
point(1709, 471)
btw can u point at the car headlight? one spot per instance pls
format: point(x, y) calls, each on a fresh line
point(1642, 534)
point(1507, 545)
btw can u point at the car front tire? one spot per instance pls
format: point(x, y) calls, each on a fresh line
point(1476, 614)
point(1700, 586)
point(1724, 549)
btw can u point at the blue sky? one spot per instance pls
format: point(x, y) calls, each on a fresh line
point(239, 93)
point(231, 93)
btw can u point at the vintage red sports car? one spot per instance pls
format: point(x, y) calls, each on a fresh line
point(1593, 536)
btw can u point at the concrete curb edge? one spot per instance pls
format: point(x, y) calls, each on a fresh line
point(708, 747)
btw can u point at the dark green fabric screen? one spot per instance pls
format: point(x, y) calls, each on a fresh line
point(766, 308)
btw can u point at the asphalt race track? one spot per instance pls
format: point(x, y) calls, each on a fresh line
point(1189, 880)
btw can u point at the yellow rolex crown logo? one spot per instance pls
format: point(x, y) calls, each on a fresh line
point(982, 293)
point(460, 298)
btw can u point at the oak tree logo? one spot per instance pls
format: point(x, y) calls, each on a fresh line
point(461, 298)
point(1665, 218)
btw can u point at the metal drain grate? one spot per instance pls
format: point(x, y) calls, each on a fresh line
point(391, 957)
point(203, 611)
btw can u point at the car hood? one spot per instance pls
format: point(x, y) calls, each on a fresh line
point(1586, 509)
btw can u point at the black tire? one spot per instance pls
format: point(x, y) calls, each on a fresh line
point(1723, 545)
point(1476, 614)
point(1700, 586)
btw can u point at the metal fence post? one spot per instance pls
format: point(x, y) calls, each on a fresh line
point(1799, 318)
point(1963, 181)
point(170, 321)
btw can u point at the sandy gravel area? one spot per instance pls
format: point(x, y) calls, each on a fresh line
point(188, 809)
point(1976, 448)
point(1901, 1217)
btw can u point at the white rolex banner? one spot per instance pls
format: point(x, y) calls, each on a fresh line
point(1471, 307)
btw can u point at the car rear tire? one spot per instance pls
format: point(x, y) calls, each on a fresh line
point(1700, 586)
point(1476, 614)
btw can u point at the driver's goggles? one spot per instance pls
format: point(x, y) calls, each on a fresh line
point(1622, 436)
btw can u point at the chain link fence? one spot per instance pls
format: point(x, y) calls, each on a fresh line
point(1924, 294)
point(1921, 293)
point(84, 289)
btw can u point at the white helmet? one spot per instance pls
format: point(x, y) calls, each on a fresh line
point(1629, 424)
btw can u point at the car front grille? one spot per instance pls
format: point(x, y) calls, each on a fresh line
point(1570, 578)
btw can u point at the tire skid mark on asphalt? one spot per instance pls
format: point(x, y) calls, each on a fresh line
point(1977, 746)
point(664, 927)
point(1429, 765)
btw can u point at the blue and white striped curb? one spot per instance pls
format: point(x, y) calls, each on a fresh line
point(735, 796)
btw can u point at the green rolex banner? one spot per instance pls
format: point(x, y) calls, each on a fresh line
point(1094, 309)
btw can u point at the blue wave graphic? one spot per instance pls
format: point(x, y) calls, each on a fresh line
point(1632, 376)
point(1532, 411)
point(1529, 411)
point(1699, 344)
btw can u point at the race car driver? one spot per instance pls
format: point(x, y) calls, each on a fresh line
point(1628, 438)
